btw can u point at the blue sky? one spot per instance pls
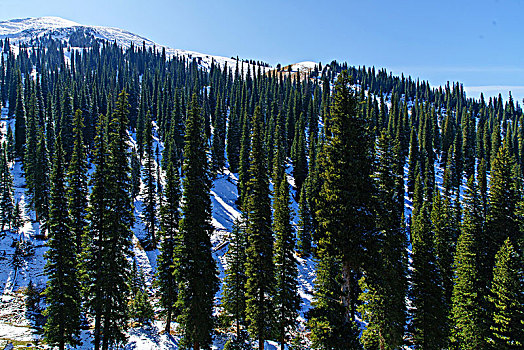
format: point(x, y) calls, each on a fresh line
point(476, 42)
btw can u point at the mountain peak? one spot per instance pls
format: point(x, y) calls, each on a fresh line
point(15, 26)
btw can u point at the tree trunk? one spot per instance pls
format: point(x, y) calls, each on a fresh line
point(168, 322)
point(97, 331)
point(348, 291)
point(105, 340)
point(260, 344)
point(196, 346)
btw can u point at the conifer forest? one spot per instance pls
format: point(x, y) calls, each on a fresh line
point(374, 211)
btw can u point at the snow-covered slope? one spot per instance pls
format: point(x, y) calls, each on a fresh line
point(25, 29)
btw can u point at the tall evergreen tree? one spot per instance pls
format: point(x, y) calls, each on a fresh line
point(62, 292)
point(197, 270)
point(233, 141)
point(219, 137)
point(507, 299)
point(6, 190)
point(259, 263)
point(384, 283)
point(305, 225)
point(502, 201)
point(234, 299)
point(286, 300)
point(77, 184)
point(169, 247)
point(105, 263)
point(20, 121)
point(149, 190)
point(428, 317)
point(119, 229)
point(40, 179)
point(94, 244)
point(330, 328)
point(468, 314)
point(344, 204)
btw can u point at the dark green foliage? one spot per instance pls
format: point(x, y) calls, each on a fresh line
point(244, 160)
point(259, 263)
point(233, 141)
point(7, 205)
point(344, 203)
point(166, 279)
point(305, 226)
point(300, 166)
point(63, 288)
point(468, 315)
point(502, 201)
point(219, 138)
point(18, 219)
point(149, 216)
point(135, 173)
point(384, 284)
point(105, 264)
point(140, 309)
point(32, 301)
point(234, 299)
point(197, 268)
point(10, 144)
point(444, 238)
point(330, 329)
point(20, 121)
point(507, 331)
point(40, 179)
point(427, 297)
point(286, 299)
point(77, 183)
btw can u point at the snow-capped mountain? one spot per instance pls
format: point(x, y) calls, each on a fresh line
point(25, 29)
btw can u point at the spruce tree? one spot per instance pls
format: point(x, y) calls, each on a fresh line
point(426, 294)
point(507, 330)
point(502, 201)
point(135, 173)
point(344, 203)
point(444, 238)
point(120, 222)
point(10, 144)
point(305, 225)
point(62, 291)
point(166, 279)
point(286, 299)
point(259, 263)
point(105, 265)
point(94, 243)
point(468, 314)
point(140, 308)
point(197, 269)
point(330, 328)
point(77, 183)
point(40, 178)
point(233, 141)
point(6, 191)
point(244, 161)
point(149, 216)
point(234, 298)
point(20, 121)
point(384, 283)
point(219, 137)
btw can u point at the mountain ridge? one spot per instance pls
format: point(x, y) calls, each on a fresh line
point(24, 30)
